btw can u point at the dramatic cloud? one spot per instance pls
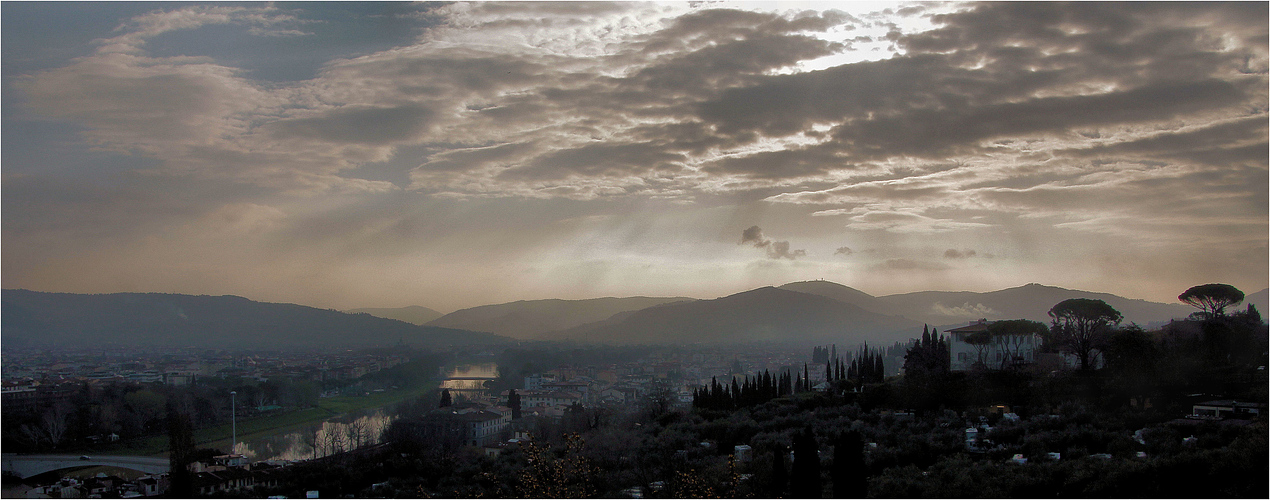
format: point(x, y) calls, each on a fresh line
point(754, 235)
point(775, 249)
point(1095, 139)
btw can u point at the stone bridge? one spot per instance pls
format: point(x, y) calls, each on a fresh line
point(30, 465)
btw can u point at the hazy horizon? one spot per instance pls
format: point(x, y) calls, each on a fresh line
point(358, 155)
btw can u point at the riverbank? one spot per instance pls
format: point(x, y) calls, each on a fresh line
point(251, 428)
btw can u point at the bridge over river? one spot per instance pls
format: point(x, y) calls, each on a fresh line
point(30, 465)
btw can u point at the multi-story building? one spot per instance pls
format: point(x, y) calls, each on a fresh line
point(973, 345)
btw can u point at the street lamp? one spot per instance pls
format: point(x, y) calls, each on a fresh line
point(233, 417)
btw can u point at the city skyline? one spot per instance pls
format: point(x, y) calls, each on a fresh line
point(352, 155)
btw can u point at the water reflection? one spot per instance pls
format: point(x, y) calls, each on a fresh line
point(319, 440)
point(347, 432)
point(471, 377)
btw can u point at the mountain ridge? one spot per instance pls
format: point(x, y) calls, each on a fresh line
point(765, 314)
point(529, 319)
point(415, 315)
point(227, 321)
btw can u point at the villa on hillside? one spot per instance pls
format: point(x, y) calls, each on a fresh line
point(973, 345)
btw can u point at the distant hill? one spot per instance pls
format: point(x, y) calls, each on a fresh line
point(1031, 301)
point(416, 315)
point(1258, 299)
point(228, 322)
point(529, 319)
point(766, 314)
point(841, 293)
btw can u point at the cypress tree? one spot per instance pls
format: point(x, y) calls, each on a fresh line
point(513, 401)
point(446, 401)
point(780, 476)
point(804, 478)
point(850, 477)
point(180, 453)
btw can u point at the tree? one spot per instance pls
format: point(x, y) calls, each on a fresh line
point(1079, 326)
point(1132, 360)
point(927, 357)
point(180, 453)
point(1212, 299)
point(804, 478)
point(983, 345)
point(547, 474)
point(513, 401)
point(850, 476)
point(1011, 336)
point(780, 476)
point(446, 400)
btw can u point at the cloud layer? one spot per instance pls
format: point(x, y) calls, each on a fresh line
point(1011, 128)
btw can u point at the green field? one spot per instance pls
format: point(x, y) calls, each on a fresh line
point(248, 428)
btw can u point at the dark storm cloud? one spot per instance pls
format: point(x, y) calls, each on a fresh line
point(1061, 133)
point(1244, 139)
point(754, 234)
point(434, 75)
point(475, 158)
point(953, 253)
point(715, 25)
point(780, 250)
point(360, 125)
point(598, 160)
point(939, 132)
point(731, 62)
point(782, 164)
point(997, 71)
point(775, 249)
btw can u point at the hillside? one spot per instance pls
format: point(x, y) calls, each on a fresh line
point(529, 319)
point(226, 322)
point(1258, 299)
point(416, 315)
point(763, 315)
point(1031, 301)
point(841, 293)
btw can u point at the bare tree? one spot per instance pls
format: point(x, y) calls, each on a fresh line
point(356, 431)
point(334, 439)
point(311, 436)
point(55, 422)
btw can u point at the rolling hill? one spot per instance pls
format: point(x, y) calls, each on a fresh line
point(415, 315)
point(226, 322)
point(1031, 301)
point(529, 319)
point(765, 314)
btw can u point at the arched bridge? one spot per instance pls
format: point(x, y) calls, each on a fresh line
point(30, 465)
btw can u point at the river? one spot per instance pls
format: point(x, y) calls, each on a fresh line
point(360, 428)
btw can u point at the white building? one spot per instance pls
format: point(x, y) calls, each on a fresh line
point(972, 345)
point(483, 427)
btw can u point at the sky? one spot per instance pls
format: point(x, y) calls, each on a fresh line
point(362, 154)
